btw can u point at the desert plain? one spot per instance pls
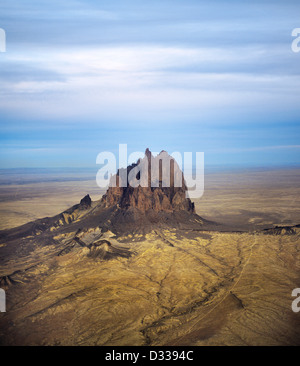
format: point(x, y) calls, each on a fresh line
point(171, 286)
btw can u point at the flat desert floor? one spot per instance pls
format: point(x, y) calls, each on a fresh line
point(246, 200)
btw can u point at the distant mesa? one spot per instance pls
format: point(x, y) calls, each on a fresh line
point(282, 230)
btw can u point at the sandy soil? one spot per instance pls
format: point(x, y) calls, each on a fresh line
point(20, 204)
point(252, 199)
point(249, 200)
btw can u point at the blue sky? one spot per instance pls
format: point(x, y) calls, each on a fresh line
point(81, 77)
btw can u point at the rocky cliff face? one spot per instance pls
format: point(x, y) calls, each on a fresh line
point(85, 203)
point(153, 183)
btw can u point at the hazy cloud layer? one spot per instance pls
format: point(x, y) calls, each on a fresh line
point(222, 72)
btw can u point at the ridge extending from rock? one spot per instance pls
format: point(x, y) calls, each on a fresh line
point(157, 199)
point(153, 183)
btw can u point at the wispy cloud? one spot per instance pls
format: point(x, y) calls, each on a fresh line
point(198, 71)
point(139, 78)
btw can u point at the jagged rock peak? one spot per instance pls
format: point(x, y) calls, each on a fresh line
point(148, 153)
point(86, 201)
point(160, 186)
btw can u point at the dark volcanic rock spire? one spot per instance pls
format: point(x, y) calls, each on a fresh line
point(85, 202)
point(157, 189)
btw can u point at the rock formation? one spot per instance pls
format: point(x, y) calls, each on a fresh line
point(85, 202)
point(153, 183)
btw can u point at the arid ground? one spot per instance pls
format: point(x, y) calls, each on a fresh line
point(167, 287)
point(249, 199)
